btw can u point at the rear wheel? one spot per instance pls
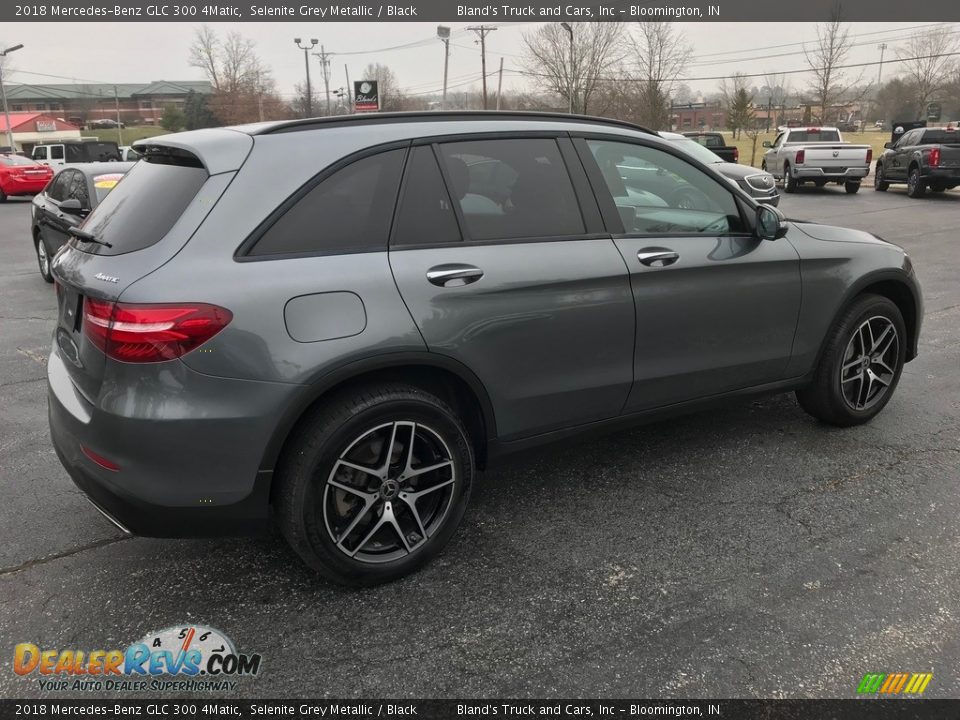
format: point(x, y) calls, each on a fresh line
point(374, 484)
point(852, 188)
point(860, 366)
point(879, 183)
point(3, 196)
point(915, 185)
point(790, 183)
point(43, 258)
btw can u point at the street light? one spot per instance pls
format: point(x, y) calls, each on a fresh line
point(3, 96)
point(443, 34)
point(569, 29)
point(306, 64)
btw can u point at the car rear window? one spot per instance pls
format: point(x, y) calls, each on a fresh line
point(940, 137)
point(814, 136)
point(143, 207)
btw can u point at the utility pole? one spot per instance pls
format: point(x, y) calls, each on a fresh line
point(569, 29)
point(482, 31)
point(883, 47)
point(116, 100)
point(325, 66)
point(346, 72)
point(443, 34)
point(306, 64)
point(3, 96)
point(500, 83)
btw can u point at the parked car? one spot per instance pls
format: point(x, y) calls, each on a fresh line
point(104, 123)
point(77, 151)
point(342, 339)
point(818, 155)
point(758, 184)
point(922, 158)
point(716, 143)
point(65, 202)
point(21, 176)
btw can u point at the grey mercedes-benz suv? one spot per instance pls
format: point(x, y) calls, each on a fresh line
point(336, 322)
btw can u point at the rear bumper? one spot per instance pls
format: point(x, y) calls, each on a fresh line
point(948, 176)
point(815, 173)
point(177, 476)
point(20, 186)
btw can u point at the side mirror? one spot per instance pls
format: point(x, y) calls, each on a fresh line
point(72, 206)
point(889, 145)
point(767, 144)
point(771, 223)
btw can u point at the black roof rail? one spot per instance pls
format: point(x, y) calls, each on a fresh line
point(439, 116)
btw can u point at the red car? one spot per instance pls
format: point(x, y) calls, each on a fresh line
point(22, 176)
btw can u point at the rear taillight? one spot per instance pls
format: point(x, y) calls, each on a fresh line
point(736, 155)
point(869, 155)
point(151, 333)
point(801, 154)
point(100, 459)
point(934, 160)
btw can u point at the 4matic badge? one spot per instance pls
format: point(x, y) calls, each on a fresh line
point(184, 652)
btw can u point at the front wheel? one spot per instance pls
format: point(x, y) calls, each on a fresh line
point(879, 183)
point(852, 188)
point(860, 366)
point(374, 484)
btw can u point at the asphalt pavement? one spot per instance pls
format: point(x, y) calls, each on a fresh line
point(746, 551)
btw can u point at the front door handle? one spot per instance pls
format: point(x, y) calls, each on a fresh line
point(657, 257)
point(454, 275)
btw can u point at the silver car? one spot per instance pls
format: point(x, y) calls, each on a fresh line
point(341, 340)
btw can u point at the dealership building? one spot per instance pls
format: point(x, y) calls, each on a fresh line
point(33, 128)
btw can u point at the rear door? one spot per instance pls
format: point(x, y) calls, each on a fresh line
point(505, 267)
point(716, 308)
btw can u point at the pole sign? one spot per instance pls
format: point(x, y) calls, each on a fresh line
point(366, 96)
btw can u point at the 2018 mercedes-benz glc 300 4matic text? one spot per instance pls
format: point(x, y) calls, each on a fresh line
point(336, 322)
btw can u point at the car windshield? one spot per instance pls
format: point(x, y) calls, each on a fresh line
point(698, 151)
point(15, 160)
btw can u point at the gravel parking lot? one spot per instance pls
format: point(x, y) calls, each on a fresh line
point(745, 551)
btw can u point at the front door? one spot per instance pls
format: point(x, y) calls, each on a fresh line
point(505, 268)
point(716, 308)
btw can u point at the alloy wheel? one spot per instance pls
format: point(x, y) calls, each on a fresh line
point(870, 362)
point(389, 491)
point(43, 259)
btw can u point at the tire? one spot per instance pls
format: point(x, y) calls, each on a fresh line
point(790, 183)
point(3, 196)
point(857, 397)
point(355, 427)
point(852, 188)
point(43, 258)
point(879, 184)
point(915, 185)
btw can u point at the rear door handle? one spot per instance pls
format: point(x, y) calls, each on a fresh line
point(657, 257)
point(454, 275)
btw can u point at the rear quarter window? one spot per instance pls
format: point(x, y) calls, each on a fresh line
point(143, 206)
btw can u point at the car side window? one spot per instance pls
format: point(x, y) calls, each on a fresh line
point(658, 193)
point(56, 152)
point(349, 211)
point(425, 215)
point(78, 189)
point(39, 153)
point(512, 188)
point(58, 187)
point(779, 141)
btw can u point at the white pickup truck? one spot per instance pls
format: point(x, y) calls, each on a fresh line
point(817, 155)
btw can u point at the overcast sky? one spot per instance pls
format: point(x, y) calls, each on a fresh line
point(143, 52)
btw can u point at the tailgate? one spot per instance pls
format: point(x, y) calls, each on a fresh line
point(836, 156)
point(950, 155)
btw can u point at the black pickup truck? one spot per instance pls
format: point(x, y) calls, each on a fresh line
point(923, 158)
point(715, 142)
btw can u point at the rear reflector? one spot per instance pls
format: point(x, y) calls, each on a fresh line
point(151, 333)
point(100, 460)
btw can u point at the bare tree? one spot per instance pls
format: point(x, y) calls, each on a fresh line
point(387, 86)
point(776, 90)
point(239, 78)
point(825, 59)
point(574, 73)
point(928, 62)
point(658, 55)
